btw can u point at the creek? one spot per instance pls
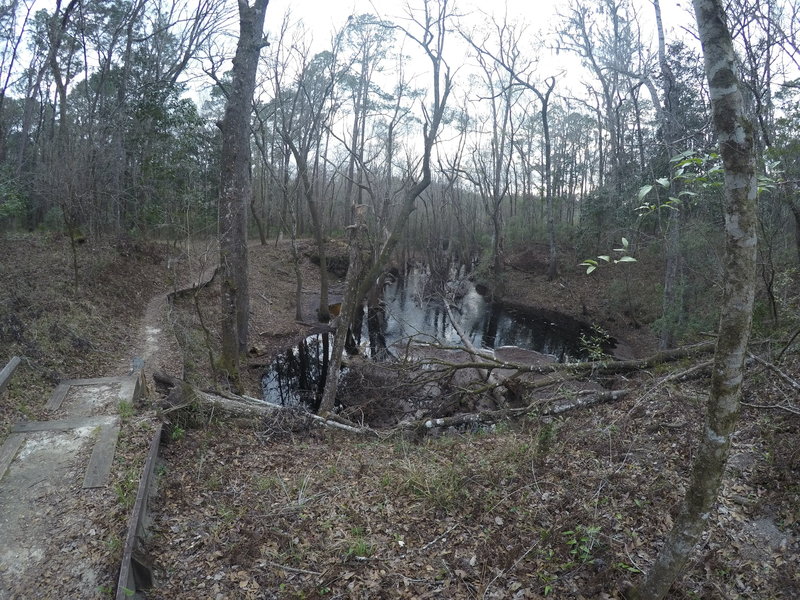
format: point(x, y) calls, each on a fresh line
point(412, 310)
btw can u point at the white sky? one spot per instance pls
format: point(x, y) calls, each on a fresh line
point(321, 18)
point(324, 16)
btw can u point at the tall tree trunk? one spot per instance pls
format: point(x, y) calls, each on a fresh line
point(552, 267)
point(301, 158)
point(672, 300)
point(793, 206)
point(262, 234)
point(236, 188)
point(735, 134)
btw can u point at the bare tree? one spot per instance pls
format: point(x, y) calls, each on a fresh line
point(236, 188)
point(735, 135)
point(428, 29)
point(490, 168)
point(508, 58)
point(304, 112)
point(14, 19)
point(672, 305)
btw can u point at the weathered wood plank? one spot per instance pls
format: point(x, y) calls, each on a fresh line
point(99, 466)
point(62, 425)
point(134, 574)
point(8, 371)
point(9, 451)
point(130, 388)
point(58, 396)
point(95, 380)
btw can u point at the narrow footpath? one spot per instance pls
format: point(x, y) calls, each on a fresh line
point(54, 473)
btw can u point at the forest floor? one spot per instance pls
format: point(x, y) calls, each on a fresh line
point(562, 507)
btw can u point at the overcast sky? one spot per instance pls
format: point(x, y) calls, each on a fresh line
point(321, 18)
point(324, 16)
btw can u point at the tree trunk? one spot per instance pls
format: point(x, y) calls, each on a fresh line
point(735, 135)
point(236, 189)
point(793, 206)
point(301, 158)
point(552, 266)
point(672, 300)
point(353, 293)
point(262, 234)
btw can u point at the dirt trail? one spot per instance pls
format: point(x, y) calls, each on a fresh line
point(155, 347)
point(54, 474)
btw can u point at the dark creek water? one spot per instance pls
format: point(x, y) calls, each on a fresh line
point(412, 312)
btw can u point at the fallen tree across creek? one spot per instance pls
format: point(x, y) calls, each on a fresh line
point(182, 396)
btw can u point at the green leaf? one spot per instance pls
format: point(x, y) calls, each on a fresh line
point(644, 190)
point(624, 242)
point(605, 258)
point(663, 182)
point(626, 259)
point(590, 269)
point(682, 156)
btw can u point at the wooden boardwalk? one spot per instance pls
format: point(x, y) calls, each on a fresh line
point(42, 461)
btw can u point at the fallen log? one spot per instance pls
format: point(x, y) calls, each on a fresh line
point(573, 404)
point(775, 369)
point(204, 281)
point(183, 395)
point(606, 367)
point(558, 405)
point(491, 379)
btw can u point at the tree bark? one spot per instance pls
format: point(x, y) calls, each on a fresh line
point(793, 206)
point(552, 266)
point(672, 301)
point(236, 188)
point(735, 134)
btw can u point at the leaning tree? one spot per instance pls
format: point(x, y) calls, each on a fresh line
point(735, 135)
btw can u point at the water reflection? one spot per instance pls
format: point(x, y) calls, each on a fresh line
point(412, 310)
point(298, 375)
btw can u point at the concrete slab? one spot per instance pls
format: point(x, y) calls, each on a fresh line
point(38, 480)
point(127, 389)
point(91, 400)
point(46, 467)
